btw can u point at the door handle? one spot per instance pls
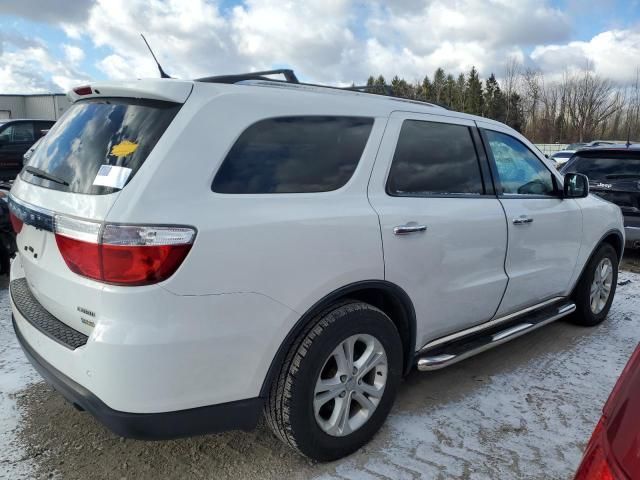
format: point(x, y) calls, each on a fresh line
point(408, 228)
point(522, 220)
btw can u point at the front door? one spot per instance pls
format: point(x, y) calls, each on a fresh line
point(443, 229)
point(545, 230)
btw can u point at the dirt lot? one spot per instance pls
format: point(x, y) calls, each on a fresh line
point(523, 410)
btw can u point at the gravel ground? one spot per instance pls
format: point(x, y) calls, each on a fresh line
point(523, 410)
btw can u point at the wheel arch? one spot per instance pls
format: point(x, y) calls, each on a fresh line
point(613, 237)
point(386, 296)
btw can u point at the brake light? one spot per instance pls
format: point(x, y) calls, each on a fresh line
point(83, 90)
point(122, 254)
point(16, 223)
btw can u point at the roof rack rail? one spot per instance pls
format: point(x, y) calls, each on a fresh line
point(289, 76)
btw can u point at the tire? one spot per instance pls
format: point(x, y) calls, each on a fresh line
point(291, 410)
point(585, 314)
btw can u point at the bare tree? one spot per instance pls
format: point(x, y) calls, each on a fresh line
point(509, 83)
point(592, 100)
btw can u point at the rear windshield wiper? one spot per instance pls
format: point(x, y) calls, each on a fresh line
point(36, 172)
point(623, 175)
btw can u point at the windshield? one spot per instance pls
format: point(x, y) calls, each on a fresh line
point(562, 155)
point(99, 144)
point(606, 167)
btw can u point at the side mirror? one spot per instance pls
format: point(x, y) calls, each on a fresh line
point(576, 185)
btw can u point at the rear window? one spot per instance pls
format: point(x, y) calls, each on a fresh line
point(294, 155)
point(609, 166)
point(98, 145)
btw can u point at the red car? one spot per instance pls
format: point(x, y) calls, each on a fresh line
point(613, 453)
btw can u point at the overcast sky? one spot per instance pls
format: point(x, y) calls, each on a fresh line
point(52, 45)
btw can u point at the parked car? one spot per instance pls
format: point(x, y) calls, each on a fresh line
point(16, 136)
point(561, 157)
point(598, 143)
point(612, 452)
point(7, 235)
point(575, 146)
point(29, 153)
point(614, 174)
point(233, 245)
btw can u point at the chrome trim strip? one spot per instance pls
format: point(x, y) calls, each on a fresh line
point(33, 215)
point(444, 360)
point(489, 324)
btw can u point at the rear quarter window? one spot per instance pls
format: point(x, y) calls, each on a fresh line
point(298, 154)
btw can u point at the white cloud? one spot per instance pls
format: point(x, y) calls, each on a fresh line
point(336, 41)
point(73, 54)
point(614, 54)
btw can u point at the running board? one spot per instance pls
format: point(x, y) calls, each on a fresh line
point(437, 354)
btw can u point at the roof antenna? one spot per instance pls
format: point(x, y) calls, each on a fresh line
point(163, 74)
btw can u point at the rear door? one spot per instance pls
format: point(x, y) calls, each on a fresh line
point(545, 230)
point(443, 230)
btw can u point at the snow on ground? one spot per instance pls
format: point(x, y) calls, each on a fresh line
point(15, 375)
point(523, 410)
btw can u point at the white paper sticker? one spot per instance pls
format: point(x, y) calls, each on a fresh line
point(112, 176)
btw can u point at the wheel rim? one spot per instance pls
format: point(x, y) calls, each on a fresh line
point(601, 286)
point(350, 385)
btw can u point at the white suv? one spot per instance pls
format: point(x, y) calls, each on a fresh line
point(193, 254)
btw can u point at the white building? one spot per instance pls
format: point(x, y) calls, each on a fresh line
point(48, 106)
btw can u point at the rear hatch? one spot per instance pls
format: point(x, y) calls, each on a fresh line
point(613, 175)
point(75, 176)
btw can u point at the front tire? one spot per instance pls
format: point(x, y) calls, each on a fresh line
point(594, 292)
point(338, 382)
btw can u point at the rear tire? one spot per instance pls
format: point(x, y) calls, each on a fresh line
point(596, 288)
point(296, 409)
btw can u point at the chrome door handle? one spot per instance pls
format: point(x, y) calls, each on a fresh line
point(409, 228)
point(522, 220)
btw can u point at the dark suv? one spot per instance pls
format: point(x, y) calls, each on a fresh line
point(16, 136)
point(614, 174)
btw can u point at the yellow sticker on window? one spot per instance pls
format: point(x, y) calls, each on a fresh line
point(124, 148)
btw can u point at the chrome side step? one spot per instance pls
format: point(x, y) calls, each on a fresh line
point(438, 354)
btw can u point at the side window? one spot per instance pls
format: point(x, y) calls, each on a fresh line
point(6, 134)
point(294, 155)
point(23, 132)
point(520, 172)
point(434, 158)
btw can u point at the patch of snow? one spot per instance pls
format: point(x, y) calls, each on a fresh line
point(15, 375)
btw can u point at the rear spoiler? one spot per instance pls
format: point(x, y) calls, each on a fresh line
point(169, 90)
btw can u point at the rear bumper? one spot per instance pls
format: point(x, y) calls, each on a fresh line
point(242, 414)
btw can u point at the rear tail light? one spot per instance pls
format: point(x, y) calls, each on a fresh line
point(595, 465)
point(16, 223)
point(122, 254)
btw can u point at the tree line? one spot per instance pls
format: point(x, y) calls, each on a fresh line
point(580, 106)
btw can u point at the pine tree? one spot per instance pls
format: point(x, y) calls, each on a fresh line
point(449, 97)
point(494, 101)
point(425, 89)
point(461, 93)
point(474, 93)
point(439, 79)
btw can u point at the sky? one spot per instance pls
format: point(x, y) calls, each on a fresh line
point(53, 45)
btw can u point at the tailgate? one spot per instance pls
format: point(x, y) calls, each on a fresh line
point(78, 171)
